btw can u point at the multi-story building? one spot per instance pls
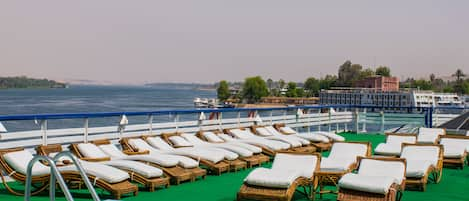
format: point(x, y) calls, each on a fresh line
point(379, 83)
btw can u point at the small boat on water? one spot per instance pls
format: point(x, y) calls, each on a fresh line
point(211, 103)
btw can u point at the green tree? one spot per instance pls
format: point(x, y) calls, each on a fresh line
point(223, 91)
point(459, 75)
point(254, 88)
point(422, 84)
point(348, 74)
point(291, 90)
point(366, 73)
point(281, 84)
point(270, 84)
point(328, 82)
point(383, 71)
point(300, 92)
point(312, 85)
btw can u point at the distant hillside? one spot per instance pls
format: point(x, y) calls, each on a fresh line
point(25, 82)
point(195, 86)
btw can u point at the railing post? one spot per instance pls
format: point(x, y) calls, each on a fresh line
point(271, 116)
point(329, 122)
point(382, 121)
point(85, 136)
point(220, 117)
point(44, 131)
point(364, 122)
point(437, 119)
point(430, 113)
point(239, 119)
point(176, 121)
point(150, 124)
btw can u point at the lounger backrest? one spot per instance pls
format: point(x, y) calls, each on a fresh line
point(140, 145)
point(180, 141)
point(263, 132)
point(272, 130)
point(348, 150)
point(371, 167)
point(238, 133)
point(438, 131)
point(397, 139)
point(304, 164)
point(455, 143)
point(421, 153)
point(226, 137)
point(90, 150)
point(212, 137)
point(111, 150)
point(287, 130)
point(159, 143)
point(19, 160)
point(193, 139)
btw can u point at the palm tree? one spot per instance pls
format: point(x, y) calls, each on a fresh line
point(459, 75)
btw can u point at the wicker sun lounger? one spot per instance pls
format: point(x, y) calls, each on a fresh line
point(377, 179)
point(148, 178)
point(257, 157)
point(455, 150)
point(298, 144)
point(393, 144)
point(231, 157)
point(282, 180)
point(341, 160)
point(177, 173)
point(321, 142)
point(269, 147)
point(117, 187)
point(424, 161)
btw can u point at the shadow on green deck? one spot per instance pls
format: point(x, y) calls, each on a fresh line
point(454, 185)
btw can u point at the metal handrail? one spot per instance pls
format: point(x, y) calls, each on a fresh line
point(55, 175)
point(192, 111)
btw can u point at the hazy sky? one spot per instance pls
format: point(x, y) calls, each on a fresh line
point(206, 41)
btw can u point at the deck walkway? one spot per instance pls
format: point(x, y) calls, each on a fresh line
point(453, 187)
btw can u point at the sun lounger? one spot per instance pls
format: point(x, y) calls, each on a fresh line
point(321, 140)
point(289, 171)
point(270, 147)
point(376, 179)
point(212, 160)
point(455, 150)
point(423, 161)
point(298, 144)
point(430, 135)
point(15, 161)
point(149, 176)
point(393, 145)
point(218, 138)
point(190, 140)
point(342, 159)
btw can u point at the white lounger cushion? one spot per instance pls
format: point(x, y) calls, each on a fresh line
point(247, 137)
point(388, 149)
point(304, 164)
point(89, 150)
point(336, 164)
point(429, 138)
point(420, 159)
point(158, 143)
point(393, 169)
point(455, 143)
point(286, 139)
point(342, 156)
point(417, 168)
point(271, 178)
point(288, 130)
point(313, 137)
point(263, 132)
point(438, 131)
point(231, 148)
point(370, 184)
point(104, 172)
point(164, 160)
point(19, 160)
point(180, 141)
point(143, 169)
point(212, 137)
point(273, 131)
point(286, 168)
point(241, 134)
point(333, 136)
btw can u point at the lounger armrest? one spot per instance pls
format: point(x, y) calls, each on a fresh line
point(181, 146)
point(96, 159)
point(128, 152)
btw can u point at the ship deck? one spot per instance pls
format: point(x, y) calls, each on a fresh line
point(453, 186)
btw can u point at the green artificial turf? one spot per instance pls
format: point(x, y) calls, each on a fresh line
point(453, 186)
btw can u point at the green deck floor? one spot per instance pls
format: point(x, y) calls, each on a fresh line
point(454, 186)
